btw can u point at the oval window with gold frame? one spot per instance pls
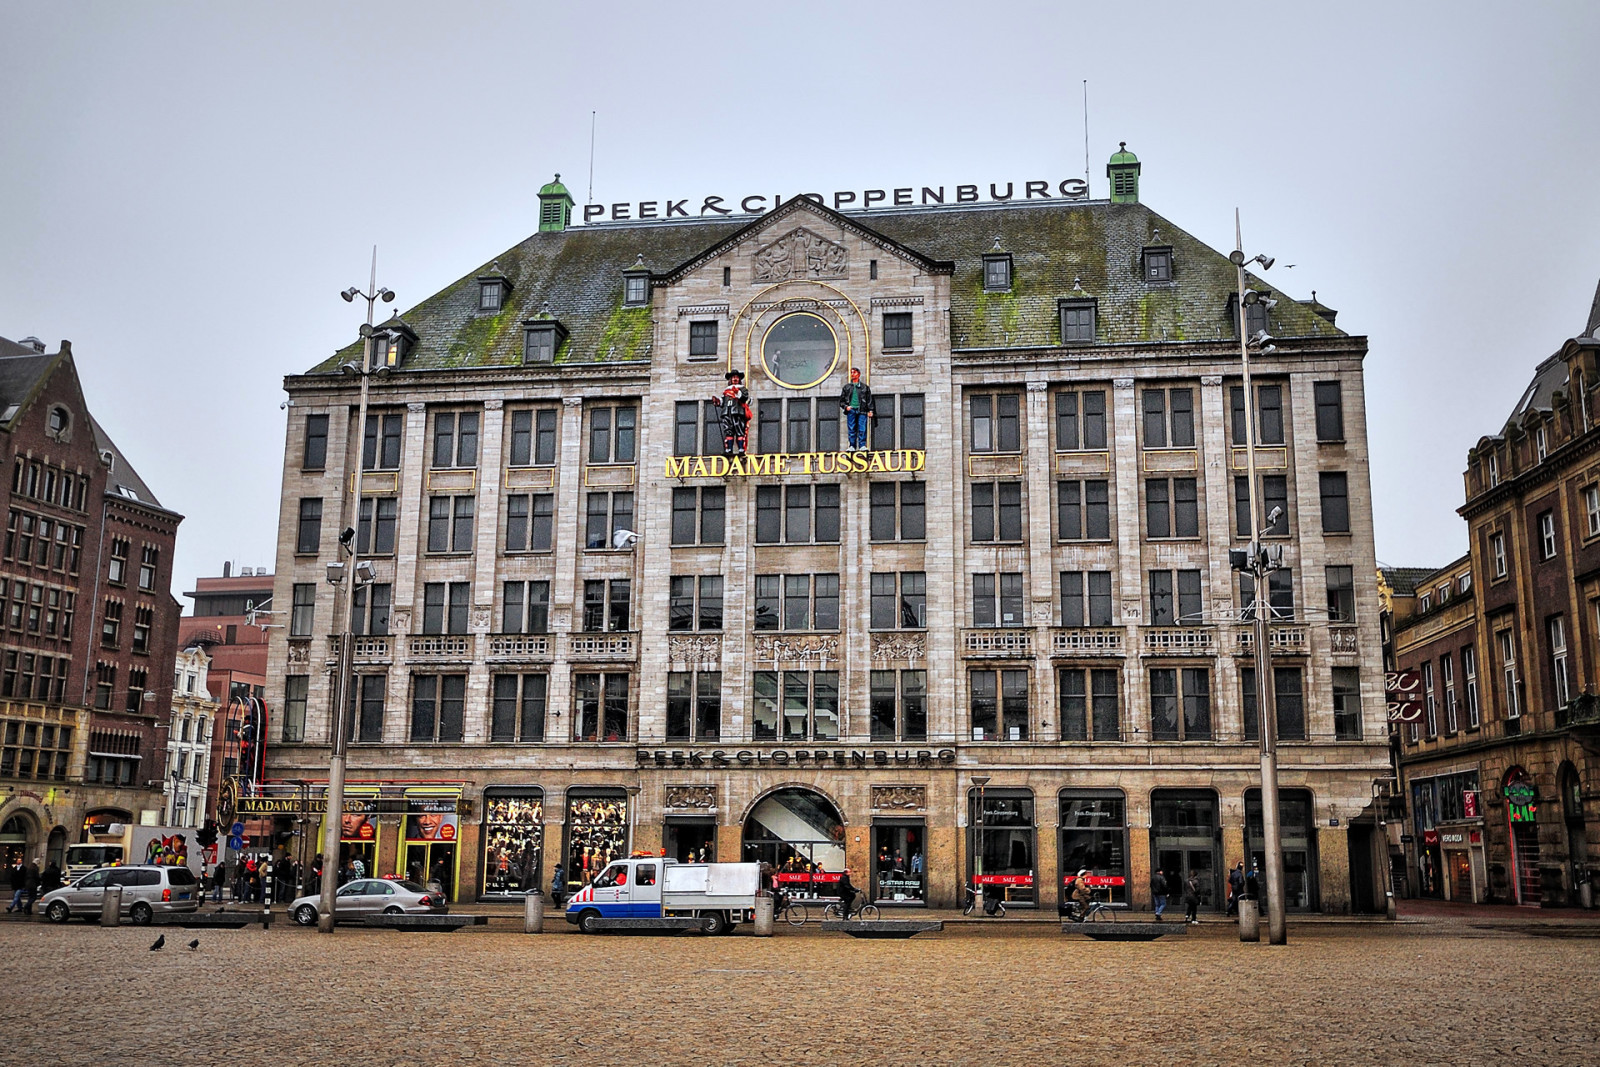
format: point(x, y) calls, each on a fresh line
point(799, 350)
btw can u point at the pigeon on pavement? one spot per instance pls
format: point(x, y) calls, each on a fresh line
point(160, 943)
point(194, 944)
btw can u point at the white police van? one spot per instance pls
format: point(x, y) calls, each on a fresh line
point(648, 892)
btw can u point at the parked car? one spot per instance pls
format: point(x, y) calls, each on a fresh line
point(372, 896)
point(146, 890)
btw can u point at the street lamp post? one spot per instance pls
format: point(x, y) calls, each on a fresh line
point(1260, 562)
point(346, 575)
point(979, 780)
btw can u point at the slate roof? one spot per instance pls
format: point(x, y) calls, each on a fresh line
point(1060, 250)
point(122, 480)
point(1403, 581)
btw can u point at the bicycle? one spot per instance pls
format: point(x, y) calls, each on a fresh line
point(975, 900)
point(794, 912)
point(834, 912)
point(1096, 910)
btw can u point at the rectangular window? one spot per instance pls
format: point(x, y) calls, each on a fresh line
point(533, 437)
point(1346, 704)
point(1089, 705)
point(1172, 507)
point(1280, 595)
point(767, 601)
point(1168, 418)
point(308, 539)
point(314, 456)
point(996, 511)
point(380, 449)
point(1186, 610)
point(769, 426)
point(800, 705)
point(1560, 673)
point(1077, 323)
point(1288, 698)
point(995, 420)
point(607, 514)
point(906, 609)
point(1547, 535)
point(1083, 510)
point(1335, 502)
point(703, 338)
point(455, 439)
point(525, 608)
point(1497, 554)
point(518, 710)
point(296, 688)
point(694, 706)
point(371, 619)
point(377, 539)
point(1591, 508)
point(600, 707)
point(150, 557)
point(897, 329)
point(1274, 497)
point(889, 522)
point(530, 522)
point(303, 605)
point(1086, 598)
point(999, 705)
point(997, 273)
point(799, 425)
point(437, 705)
point(1330, 411)
point(698, 515)
point(1508, 674)
point(1430, 703)
point(1180, 704)
point(613, 433)
point(997, 599)
point(899, 705)
point(1447, 680)
point(1081, 421)
point(1341, 594)
point(1469, 680)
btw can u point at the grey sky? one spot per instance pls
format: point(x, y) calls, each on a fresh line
point(186, 188)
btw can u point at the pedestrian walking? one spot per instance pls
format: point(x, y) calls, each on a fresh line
point(19, 885)
point(1235, 888)
point(1158, 892)
point(50, 880)
point(1191, 898)
point(558, 885)
point(31, 888)
point(1252, 883)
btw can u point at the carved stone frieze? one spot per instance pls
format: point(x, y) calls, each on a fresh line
point(800, 254)
point(400, 621)
point(481, 616)
point(791, 649)
point(899, 646)
point(299, 652)
point(699, 797)
point(700, 648)
point(899, 797)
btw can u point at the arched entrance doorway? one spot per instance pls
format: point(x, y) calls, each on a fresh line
point(800, 833)
point(17, 844)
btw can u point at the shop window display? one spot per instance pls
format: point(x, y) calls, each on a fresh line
point(899, 866)
point(1003, 843)
point(432, 829)
point(597, 833)
point(513, 842)
point(1094, 837)
point(1298, 833)
point(800, 835)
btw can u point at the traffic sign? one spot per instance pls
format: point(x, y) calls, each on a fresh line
point(236, 830)
point(236, 842)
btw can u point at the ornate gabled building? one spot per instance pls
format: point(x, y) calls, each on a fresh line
point(88, 625)
point(1000, 640)
point(1501, 780)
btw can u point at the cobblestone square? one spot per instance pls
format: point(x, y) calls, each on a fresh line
point(997, 994)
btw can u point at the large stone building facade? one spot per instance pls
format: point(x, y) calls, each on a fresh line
point(1500, 772)
point(1001, 641)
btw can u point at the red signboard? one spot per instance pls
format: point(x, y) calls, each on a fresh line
point(1430, 837)
point(1003, 879)
point(804, 877)
point(1097, 881)
point(1469, 803)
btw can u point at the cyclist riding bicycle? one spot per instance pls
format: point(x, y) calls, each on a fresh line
point(847, 895)
point(1075, 896)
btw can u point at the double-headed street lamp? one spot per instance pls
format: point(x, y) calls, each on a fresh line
point(1259, 560)
point(348, 572)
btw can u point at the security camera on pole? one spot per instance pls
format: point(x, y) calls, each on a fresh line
point(1259, 560)
point(347, 573)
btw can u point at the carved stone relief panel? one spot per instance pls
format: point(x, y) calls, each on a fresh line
point(700, 797)
point(899, 645)
point(800, 254)
point(899, 797)
point(794, 649)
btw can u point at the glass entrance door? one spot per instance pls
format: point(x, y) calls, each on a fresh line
point(691, 840)
point(899, 864)
point(1184, 837)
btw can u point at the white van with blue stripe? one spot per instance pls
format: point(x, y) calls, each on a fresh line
point(653, 892)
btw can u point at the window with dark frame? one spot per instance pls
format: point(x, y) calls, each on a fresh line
point(525, 607)
point(607, 605)
point(1086, 598)
point(380, 449)
point(898, 705)
point(996, 511)
point(1083, 510)
point(1158, 264)
point(1274, 494)
point(533, 437)
point(636, 289)
point(438, 707)
point(1288, 700)
point(1269, 415)
point(1280, 595)
point(694, 706)
point(1180, 704)
point(314, 456)
point(377, 537)
point(604, 515)
point(450, 523)
point(1168, 418)
point(796, 705)
point(997, 600)
point(1172, 507)
point(896, 330)
point(455, 439)
point(797, 602)
point(694, 602)
point(703, 338)
point(308, 538)
point(1330, 411)
point(997, 273)
point(303, 600)
point(444, 607)
point(1183, 610)
point(1341, 594)
point(370, 614)
point(698, 515)
point(489, 296)
point(897, 511)
point(1346, 703)
point(995, 422)
point(1090, 699)
point(1335, 497)
point(999, 705)
point(518, 711)
point(898, 601)
point(797, 514)
point(613, 433)
point(1081, 420)
point(1078, 322)
point(530, 522)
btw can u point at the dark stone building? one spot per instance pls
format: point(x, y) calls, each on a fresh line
point(88, 626)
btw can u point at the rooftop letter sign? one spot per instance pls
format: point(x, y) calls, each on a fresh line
point(845, 200)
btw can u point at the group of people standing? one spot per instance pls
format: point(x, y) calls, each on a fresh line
point(28, 884)
point(1242, 885)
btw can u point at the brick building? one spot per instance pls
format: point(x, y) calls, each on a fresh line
point(1000, 641)
point(1509, 780)
point(89, 625)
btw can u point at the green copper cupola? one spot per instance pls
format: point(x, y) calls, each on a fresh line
point(555, 207)
point(1123, 170)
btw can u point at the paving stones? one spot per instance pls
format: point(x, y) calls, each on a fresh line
point(988, 994)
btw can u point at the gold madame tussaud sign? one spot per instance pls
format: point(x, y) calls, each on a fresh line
point(889, 461)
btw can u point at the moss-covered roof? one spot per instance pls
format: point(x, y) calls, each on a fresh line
point(1060, 250)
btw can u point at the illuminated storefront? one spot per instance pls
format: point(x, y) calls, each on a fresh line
point(597, 832)
point(513, 841)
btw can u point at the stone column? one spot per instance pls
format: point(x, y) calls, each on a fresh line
point(1128, 518)
point(564, 579)
point(1038, 468)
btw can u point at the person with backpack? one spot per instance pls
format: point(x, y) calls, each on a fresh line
point(1191, 898)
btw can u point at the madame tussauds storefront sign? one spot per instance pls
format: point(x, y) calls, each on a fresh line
point(889, 461)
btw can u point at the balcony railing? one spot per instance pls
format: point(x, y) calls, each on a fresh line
point(602, 646)
point(440, 646)
point(1178, 641)
point(1281, 641)
point(370, 649)
point(1086, 641)
point(519, 646)
point(999, 644)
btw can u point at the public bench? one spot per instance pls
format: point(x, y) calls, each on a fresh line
point(425, 922)
point(883, 928)
point(1121, 931)
point(214, 920)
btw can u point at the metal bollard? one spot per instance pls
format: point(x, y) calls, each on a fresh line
point(533, 912)
point(1249, 919)
point(1585, 895)
point(111, 906)
point(763, 916)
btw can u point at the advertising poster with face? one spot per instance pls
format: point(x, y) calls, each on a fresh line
point(432, 820)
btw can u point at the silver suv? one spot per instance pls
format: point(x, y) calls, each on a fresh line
point(146, 890)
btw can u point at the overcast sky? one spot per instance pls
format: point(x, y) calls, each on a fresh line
point(186, 188)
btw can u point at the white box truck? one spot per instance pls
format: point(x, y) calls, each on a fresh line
point(653, 892)
point(168, 846)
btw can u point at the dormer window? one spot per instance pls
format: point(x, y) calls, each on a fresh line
point(635, 290)
point(541, 338)
point(1158, 264)
point(997, 272)
point(489, 294)
point(1077, 322)
point(391, 343)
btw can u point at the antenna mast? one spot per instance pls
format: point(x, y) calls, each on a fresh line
point(590, 199)
point(1086, 131)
